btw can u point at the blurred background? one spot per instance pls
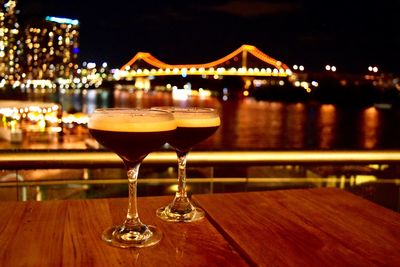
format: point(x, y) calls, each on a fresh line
point(286, 76)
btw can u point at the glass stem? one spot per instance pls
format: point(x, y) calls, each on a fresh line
point(181, 193)
point(132, 217)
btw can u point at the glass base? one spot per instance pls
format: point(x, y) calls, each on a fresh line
point(166, 214)
point(124, 237)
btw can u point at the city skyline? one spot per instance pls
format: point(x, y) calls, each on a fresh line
point(349, 35)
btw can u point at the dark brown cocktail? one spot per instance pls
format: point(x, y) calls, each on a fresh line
point(131, 146)
point(187, 137)
point(194, 125)
point(132, 134)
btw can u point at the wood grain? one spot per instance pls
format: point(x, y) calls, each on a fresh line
point(308, 227)
point(67, 233)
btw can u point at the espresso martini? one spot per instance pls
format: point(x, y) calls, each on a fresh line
point(132, 134)
point(194, 125)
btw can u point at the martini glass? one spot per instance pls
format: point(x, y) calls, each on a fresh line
point(194, 125)
point(132, 134)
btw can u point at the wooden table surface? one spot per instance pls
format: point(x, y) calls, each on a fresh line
point(310, 227)
point(67, 233)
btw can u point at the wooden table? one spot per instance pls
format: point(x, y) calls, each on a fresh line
point(313, 227)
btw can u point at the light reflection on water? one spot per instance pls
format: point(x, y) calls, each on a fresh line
point(326, 126)
point(251, 124)
point(370, 124)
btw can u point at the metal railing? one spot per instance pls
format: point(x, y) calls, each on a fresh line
point(15, 163)
point(23, 160)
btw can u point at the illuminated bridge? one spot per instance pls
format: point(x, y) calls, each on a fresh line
point(247, 60)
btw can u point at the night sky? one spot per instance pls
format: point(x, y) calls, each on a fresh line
point(349, 34)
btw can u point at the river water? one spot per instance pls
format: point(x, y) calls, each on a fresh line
point(248, 124)
point(265, 125)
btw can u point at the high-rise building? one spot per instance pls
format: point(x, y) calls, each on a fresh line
point(10, 43)
point(51, 48)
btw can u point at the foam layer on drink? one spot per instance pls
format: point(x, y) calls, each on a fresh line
point(126, 122)
point(196, 120)
point(193, 117)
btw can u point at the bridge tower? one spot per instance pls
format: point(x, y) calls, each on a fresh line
point(244, 59)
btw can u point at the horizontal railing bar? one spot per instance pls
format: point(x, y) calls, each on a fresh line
point(119, 181)
point(194, 181)
point(18, 160)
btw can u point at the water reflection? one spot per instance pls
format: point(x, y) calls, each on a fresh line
point(141, 99)
point(251, 124)
point(73, 100)
point(275, 114)
point(259, 124)
point(370, 123)
point(326, 126)
point(296, 125)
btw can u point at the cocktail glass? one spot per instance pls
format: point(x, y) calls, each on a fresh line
point(132, 134)
point(194, 125)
